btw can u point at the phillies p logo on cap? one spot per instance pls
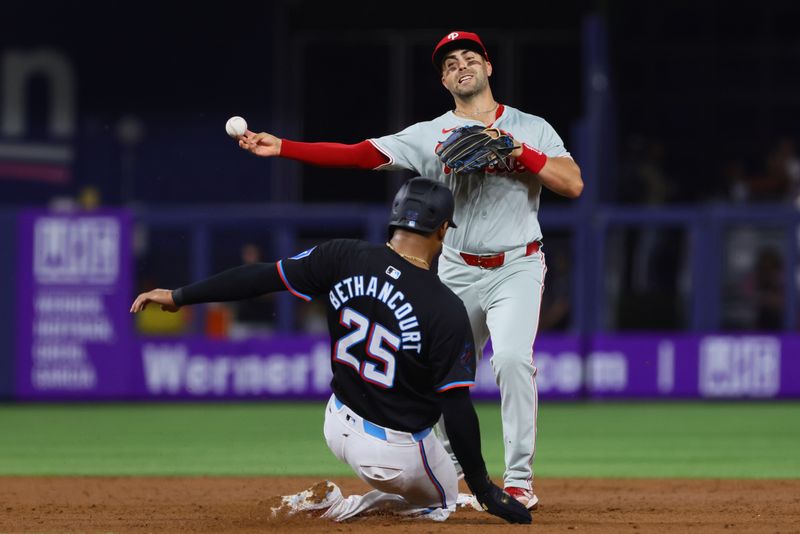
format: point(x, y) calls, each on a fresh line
point(457, 39)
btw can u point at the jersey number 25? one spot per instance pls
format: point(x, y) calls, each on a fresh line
point(378, 339)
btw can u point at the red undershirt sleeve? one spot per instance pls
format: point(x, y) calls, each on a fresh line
point(361, 155)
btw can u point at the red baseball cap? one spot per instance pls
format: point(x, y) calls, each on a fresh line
point(455, 40)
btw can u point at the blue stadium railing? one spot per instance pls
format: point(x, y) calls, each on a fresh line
point(705, 227)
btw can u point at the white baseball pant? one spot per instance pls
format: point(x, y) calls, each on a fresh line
point(412, 473)
point(504, 303)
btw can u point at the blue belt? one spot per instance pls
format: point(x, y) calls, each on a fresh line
point(380, 432)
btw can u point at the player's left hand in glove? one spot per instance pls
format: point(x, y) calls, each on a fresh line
point(473, 148)
point(498, 502)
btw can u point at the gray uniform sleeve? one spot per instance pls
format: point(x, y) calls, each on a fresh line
point(404, 149)
point(550, 142)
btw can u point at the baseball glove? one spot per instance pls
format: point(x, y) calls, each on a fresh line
point(473, 148)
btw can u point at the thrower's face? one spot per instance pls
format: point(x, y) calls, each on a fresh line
point(465, 73)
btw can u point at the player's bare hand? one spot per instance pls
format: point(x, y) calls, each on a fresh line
point(158, 296)
point(261, 144)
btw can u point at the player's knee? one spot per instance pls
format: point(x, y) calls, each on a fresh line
point(515, 361)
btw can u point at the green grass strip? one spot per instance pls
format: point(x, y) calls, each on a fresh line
point(687, 440)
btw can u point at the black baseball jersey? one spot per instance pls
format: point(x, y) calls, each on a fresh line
point(398, 335)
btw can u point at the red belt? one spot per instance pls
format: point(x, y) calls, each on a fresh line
point(491, 261)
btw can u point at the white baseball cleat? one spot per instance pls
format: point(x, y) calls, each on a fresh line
point(527, 498)
point(320, 496)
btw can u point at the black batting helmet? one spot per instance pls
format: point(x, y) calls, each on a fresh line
point(422, 205)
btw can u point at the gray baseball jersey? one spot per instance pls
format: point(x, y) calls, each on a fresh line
point(496, 210)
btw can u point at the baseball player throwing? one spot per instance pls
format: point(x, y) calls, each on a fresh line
point(493, 261)
point(402, 354)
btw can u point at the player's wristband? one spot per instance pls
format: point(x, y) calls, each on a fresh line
point(533, 159)
point(177, 296)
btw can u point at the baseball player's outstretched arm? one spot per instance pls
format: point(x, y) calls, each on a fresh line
point(461, 423)
point(239, 283)
point(361, 155)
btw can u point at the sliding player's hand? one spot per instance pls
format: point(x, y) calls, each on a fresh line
point(158, 296)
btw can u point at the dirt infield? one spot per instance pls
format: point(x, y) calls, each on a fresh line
point(220, 505)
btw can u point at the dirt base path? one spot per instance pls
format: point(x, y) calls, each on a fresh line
point(222, 505)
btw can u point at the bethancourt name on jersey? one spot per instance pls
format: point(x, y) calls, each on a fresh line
point(354, 286)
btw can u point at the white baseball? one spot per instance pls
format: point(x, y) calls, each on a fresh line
point(236, 126)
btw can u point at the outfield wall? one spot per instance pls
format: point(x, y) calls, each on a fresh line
point(74, 340)
point(710, 366)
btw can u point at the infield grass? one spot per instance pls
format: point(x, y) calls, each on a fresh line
point(687, 440)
